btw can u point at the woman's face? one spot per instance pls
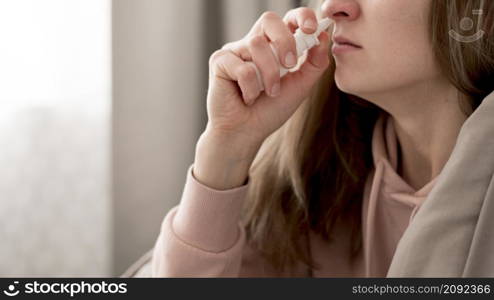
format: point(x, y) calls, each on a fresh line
point(395, 51)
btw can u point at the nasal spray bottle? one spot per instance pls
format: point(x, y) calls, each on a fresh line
point(303, 42)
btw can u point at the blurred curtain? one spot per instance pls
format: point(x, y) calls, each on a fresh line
point(160, 67)
point(54, 132)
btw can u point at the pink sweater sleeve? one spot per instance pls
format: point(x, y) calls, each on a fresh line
point(203, 236)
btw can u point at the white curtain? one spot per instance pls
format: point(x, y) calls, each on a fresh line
point(55, 136)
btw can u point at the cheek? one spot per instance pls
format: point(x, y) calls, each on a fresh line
point(403, 62)
point(405, 51)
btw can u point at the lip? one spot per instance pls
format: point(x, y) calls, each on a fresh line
point(342, 45)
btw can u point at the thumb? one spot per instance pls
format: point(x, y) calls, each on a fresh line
point(317, 60)
point(296, 86)
point(301, 81)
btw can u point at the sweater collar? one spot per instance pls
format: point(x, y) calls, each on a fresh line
point(385, 151)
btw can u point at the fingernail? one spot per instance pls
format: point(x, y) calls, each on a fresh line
point(310, 24)
point(275, 91)
point(290, 60)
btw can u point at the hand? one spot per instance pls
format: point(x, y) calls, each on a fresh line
point(236, 106)
point(241, 117)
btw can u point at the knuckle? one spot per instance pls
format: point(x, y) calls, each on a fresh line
point(227, 46)
point(216, 55)
point(247, 73)
point(257, 41)
point(269, 15)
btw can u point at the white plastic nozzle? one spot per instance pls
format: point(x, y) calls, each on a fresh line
point(303, 43)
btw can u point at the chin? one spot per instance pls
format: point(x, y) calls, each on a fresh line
point(350, 86)
point(362, 88)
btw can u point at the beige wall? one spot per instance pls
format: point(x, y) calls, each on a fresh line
point(250, 12)
point(157, 115)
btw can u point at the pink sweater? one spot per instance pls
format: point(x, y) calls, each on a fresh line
point(203, 236)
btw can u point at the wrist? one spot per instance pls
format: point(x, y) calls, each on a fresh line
point(233, 146)
point(221, 162)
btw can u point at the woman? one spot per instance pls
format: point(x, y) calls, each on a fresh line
point(322, 174)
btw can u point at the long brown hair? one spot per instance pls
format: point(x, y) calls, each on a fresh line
point(311, 172)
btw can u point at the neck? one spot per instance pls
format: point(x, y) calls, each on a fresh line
point(427, 122)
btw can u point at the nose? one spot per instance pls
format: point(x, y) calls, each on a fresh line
point(340, 10)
